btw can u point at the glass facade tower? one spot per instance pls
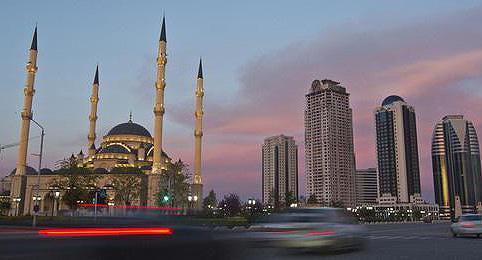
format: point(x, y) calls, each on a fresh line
point(456, 165)
point(397, 150)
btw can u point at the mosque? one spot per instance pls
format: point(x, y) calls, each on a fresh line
point(127, 145)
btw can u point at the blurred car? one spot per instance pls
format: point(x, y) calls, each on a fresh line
point(309, 229)
point(467, 224)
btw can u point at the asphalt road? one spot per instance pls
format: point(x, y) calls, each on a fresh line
point(397, 241)
point(391, 241)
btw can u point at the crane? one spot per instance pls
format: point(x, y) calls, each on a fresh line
point(6, 146)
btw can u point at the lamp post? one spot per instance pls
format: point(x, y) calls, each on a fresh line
point(251, 203)
point(191, 199)
point(96, 195)
point(56, 201)
point(95, 204)
point(36, 207)
point(55, 194)
point(109, 188)
point(17, 202)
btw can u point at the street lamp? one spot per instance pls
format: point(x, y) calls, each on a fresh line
point(17, 202)
point(56, 193)
point(36, 207)
point(192, 199)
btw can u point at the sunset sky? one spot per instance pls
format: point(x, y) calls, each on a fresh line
point(259, 61)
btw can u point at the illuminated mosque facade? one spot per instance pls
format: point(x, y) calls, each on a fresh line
point(126, 145)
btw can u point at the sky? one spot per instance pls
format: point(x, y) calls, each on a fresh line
point(259, 57)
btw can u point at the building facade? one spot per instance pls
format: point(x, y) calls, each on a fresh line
point(280, 170)
point(456, 165)
point(366, 186)
point(397, 151)
point(329, 155)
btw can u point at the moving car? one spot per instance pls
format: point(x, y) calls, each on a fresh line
point(467, 224)
point(309, 229)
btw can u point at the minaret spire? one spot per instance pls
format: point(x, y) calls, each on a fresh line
point(158, 161)
point(33, 46)
point(163, 38)
point(200, 70)
point(96, 77)
point(198, 134)
point(94, 99)
point(26, 114)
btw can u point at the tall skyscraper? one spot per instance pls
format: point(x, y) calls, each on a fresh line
point(366, 186)
point(280, 170)
point(329, 157)
point(397, 151)
point(456, 165)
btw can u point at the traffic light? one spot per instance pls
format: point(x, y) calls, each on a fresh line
point(165, 198)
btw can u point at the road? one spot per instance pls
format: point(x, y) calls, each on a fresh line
point(398, 241)
point(390, 241)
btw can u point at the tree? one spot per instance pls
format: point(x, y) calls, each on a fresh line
point(126, 187)
point(175, 185)
point(210, 202)
point(77, 182)
point(4, 207)
point(252, 211)
point(312, 200)
point(230, 205)
point(289, 198)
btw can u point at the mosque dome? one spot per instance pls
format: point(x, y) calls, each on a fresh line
point(390, 99)
point(46, 171)
point(114, 149)
point(28, 170)
point(129, 128)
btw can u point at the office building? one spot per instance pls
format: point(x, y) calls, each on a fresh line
point(329, 156)
point(366, 186)
point(280, 171)
point(397, 151)
point(456, 165)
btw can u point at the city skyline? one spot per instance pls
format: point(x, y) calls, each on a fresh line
point(450, 68)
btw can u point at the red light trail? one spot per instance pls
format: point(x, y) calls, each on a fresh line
point(129, 207)
point(84, 232)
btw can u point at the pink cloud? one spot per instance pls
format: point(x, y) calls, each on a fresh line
point(412, 79)
point(427, 63)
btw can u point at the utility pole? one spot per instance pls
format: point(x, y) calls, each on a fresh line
point(37, 195)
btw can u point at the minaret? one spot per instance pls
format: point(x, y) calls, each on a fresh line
point(26, 115)
point(158, 163)
point(94, 99)
point(198, 133)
